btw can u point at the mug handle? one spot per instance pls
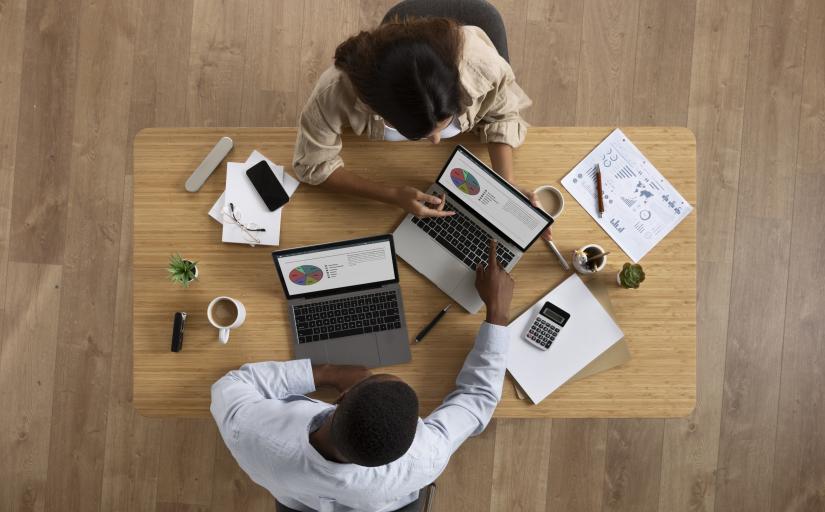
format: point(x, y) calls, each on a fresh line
point(223, 335)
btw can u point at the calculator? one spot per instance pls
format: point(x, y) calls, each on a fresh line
point(546, 326)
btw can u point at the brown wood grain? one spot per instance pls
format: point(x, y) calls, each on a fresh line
point(658, 381)
point(717, 96)
point(632, 465)
point(754, 350)
point(87, 306)
point(471, 470)
point(797, 482)
point(27, 365)
point(608, 47)
point(521, 444)
point(44, 132)
point(554, 31)
point(576, 468)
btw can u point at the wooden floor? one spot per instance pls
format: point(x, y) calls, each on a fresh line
point(78, 78)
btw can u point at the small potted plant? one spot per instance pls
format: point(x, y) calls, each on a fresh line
point(182, 271)
point(630, 276)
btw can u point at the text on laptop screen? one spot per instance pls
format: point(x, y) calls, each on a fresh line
point(340, 267)
point(503, 208)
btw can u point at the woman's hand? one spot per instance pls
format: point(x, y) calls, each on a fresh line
point(548, 233)
point(420, 204)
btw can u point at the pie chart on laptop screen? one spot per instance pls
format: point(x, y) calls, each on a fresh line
point(306, 275)
point(465, 181)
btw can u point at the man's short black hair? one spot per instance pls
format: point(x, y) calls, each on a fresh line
point(375, 422)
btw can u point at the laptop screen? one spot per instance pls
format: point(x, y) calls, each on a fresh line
point(308, 270)
point(496, 201)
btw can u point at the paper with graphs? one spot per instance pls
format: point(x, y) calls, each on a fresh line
point(640, 206)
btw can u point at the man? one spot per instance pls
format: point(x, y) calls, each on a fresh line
point(371, 452)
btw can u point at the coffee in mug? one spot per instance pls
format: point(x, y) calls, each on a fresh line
point(225, 314)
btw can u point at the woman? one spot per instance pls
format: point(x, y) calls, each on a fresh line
point(408, 80)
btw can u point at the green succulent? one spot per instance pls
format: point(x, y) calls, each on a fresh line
point(631, 275)
point(181, 271)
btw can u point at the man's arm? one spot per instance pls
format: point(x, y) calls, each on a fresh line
point(467, 410)
point(254, 382)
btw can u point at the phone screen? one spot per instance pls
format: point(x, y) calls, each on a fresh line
point(267, 185)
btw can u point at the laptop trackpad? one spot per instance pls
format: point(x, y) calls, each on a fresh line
point(359, 350)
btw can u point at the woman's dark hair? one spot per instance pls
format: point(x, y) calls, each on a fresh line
point(407, 72)
point(375, 422)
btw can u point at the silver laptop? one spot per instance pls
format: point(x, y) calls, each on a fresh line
point(344, 302)
point(447, 250)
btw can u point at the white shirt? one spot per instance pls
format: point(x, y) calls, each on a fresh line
point(393, 135)
point(265, 419)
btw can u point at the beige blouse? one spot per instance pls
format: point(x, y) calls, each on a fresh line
point(493, 109)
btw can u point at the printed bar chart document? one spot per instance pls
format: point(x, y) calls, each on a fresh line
point(641, 206)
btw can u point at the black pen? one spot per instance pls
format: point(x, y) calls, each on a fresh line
point(430, 325)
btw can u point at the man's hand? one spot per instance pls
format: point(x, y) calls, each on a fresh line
point(420, 204)
point(340, 376)
point(495, 286)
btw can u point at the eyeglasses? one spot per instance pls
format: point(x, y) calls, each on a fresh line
point(233, 215)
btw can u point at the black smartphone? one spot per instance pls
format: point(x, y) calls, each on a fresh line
point(267, 185)
point(177, 331)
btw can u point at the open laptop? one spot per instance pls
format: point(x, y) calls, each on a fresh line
point(447, 250)
point(344, 302)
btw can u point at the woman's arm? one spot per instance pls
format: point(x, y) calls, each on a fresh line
point(501, 156)
point(410, 199)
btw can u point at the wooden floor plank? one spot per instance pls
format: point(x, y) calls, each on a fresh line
point(270, 75)
point(521, 444)
point(764, 208)
point(216, 62)
point(605, 83)
point(232, 489)
point(467, 482)
point(94, 213)
point(632, 465)
point(187, 461)
point(717, 96)
point(12, 25)
point(661, 86)
point(161, 60)
point(576, 469)
point(27, 362)
point(44, 132)
point(799, 467)
point(553, 30)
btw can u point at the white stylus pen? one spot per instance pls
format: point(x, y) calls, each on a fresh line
point(564, 264)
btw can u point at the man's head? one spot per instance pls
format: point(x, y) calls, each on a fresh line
point(375, 421)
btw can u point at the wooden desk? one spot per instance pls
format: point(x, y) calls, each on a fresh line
point(659, 319)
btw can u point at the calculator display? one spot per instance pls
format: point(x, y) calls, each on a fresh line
point(550, 312)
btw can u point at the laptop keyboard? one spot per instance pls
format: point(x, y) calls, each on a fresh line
point(461, 236)
point(337, 318)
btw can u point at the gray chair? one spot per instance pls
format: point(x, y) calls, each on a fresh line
point(424, 503)
point(479, 13)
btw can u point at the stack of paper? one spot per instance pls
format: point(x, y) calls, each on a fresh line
point(248, 206)
point(588, 333)
point(640, 206)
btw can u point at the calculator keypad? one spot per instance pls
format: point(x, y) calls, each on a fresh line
point(542, 333)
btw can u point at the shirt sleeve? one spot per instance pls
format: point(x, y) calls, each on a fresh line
point(254, 382)
point(318, 145)
point(467, 410)
point(500, 111)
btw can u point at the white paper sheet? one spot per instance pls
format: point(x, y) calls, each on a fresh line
point(641, 206)
point(586, 335)
point(235, 235)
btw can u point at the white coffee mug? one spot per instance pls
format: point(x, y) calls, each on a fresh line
point(557, 198)
point(223, 330)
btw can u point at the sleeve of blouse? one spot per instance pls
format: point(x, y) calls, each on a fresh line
point(500, 111)
point(318, 145)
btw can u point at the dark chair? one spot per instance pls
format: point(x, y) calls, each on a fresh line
point(479, 13)
point(424, 503)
